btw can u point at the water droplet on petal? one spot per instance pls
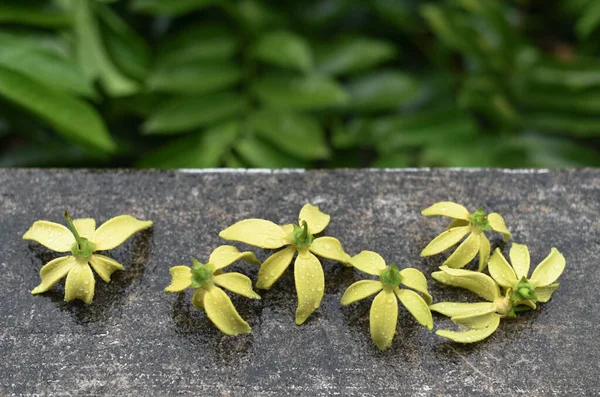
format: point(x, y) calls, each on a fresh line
point(87, 291)
point(86, 282)
point(327, 246)
point(320, 289)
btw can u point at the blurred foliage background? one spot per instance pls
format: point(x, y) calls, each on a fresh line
point(314, 83)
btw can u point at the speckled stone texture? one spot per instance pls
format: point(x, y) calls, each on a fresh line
point(135, 340)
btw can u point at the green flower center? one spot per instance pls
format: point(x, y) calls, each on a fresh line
point(524, 291)
point(201, 274)
point(480, 220)
point(83, 247)
point(301, 237)
point(391, 276)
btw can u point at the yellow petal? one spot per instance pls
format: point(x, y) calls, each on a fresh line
point(465, 252)
point(236, 282)
point(85, 227)
point(416, 306)
point(501, 271)
point(479, 283)
point(222, 313)
point(198, 298)
point(104, 266)
point(457, 223)
point(447, 208)
point(369, 262)
point(274, 266)
point(384, 318)
point(317, 221)
point(53, 271)
point(549, 270)
point(412, 278)
point(310, 284)
point(520, 260)
point(360, 290)
point(497, 223)
point(51, 235)
point(472, 335)
point(288, 229)
point(115, 231)
point(181, 278)
point(545, 293)
point(484, 252)
point(80, 283)
point(225, 255)
point(477, 321)
point(258, 232)
point(330, 248)
point(445, 240)
point(452, 309)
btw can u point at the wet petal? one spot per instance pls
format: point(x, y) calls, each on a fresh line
point(477, 321)
point(198, 298)
point(288, 229)
point(457, 223)
point(115, 231)
point(416, 306)
point(549, 270)
point(360, 290)
point(181, 278)
point(413, 278)
point(520, 260)
point(317, 221)
point(472, 335)
point(222, 313)
point(369, 262)
point(383, 319)
point(447, 208)
point(452, 309)
point(85, 227)
point(51, 235)
point(330, 248)
point(479, 283)
point(80, 283)
point(465, 252)
point(310, 284)
point(545, 293)
point(484, 252)
point(236, 282)
point(445, 240)
point(258, 232)
point(53, 271)
point(497, 223)
point(501, 271)
point(274, 266)
point(225, 255)
point(104, 266)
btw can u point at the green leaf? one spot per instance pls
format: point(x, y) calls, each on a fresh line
point(449, 30)
point(284, 49)
point(310, 92)
point(195, 78)
point(45, 17)
point(184, 113)
point(382, 90)
point(553, 98)
point(352, 55)
point(571, 124)
point(198, 150)
point(554, 152)
point(400, 13)
point(574, 75)
point(73, 118)
point(392, 160)
point(589, 20)
point(485, 151)
point(352, 134)
point(260, 154)
point(294, 133)
point(171, 7)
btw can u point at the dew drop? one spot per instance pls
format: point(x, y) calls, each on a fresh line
point(327, 246)
point(312, 290)
point(270, 241)
point(316, 305)
point(272, 273)
point(86, 282)
point(87, 291)
point(390, 300)
point(320, 289)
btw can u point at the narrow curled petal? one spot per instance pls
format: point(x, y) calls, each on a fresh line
point(198, 298)
point(80, 283)
point(520, 260)
point(484, 252)
point(181, 278)
point(383, 319)
point(225, 255)
point(360, 290)
point(236, 282)
point(85, 227)
point(310, 284)
point(452, 309)
point(445, 240)
point(472, 335)
point(545, 293)
point(465, 252)
point(479, 283)
point(222, 313)
point(274, 266)
point(477, 321)
point(104, 266)
point(501, 271)
point(412, 278)
point(457, 223)
point(51, 235)
point(416, 306)
point(369, 262)
point(549, 270)
point(447, 208)
point(53, 271)
point(317, 221)
point(115, 231)
point(330, 248)
point(258, 232)
point(497, 223)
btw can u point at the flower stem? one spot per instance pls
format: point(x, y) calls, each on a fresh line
point(73, 229)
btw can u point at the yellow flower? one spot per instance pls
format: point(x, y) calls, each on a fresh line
point(82, 239)
point(464, 224)
point(384, 309)
point(308, 273)
point(208, 296)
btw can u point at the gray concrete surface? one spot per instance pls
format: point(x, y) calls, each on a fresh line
point(134, 340)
